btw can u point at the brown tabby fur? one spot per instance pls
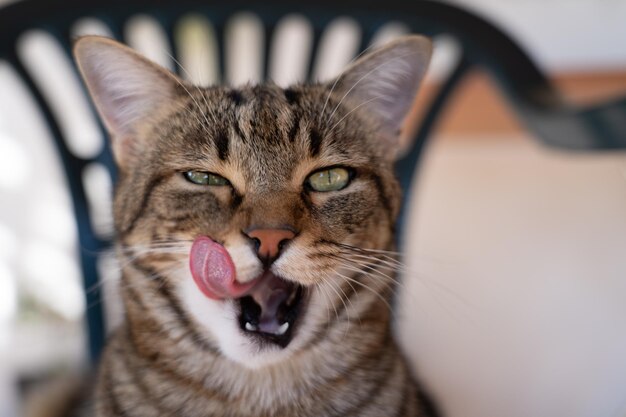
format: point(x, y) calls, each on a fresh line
point(266, 140)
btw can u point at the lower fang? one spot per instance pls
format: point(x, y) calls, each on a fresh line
point(282, 329)
point(251, 327)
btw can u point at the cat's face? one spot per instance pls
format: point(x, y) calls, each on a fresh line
point(295, 184)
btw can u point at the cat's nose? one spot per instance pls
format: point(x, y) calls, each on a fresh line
point(269, 242)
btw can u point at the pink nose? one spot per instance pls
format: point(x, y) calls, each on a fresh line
point(270, 241)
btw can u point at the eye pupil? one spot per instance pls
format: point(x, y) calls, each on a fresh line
point(332, 179)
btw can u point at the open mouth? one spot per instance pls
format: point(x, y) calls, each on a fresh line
point(270, 311)
point(269, 305)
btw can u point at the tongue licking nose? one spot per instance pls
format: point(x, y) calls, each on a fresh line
point(213, 270)
point(214, 273)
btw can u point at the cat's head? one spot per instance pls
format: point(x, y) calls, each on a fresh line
point(296, 184)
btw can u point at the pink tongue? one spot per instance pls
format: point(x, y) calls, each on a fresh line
point(213, 270)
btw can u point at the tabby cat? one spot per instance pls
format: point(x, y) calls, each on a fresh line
point(255, 229)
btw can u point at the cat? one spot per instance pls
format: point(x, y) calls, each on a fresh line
point(255, 229)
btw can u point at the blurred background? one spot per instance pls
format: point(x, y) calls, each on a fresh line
point(513, 304)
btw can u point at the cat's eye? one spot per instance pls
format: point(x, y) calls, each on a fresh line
point(205, 178)
point(332, 179)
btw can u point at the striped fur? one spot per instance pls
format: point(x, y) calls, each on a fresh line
point(179, 353)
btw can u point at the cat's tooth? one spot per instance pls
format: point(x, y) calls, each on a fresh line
point(282, 329)
point(250, 327)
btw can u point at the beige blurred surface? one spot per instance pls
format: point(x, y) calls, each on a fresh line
point(514, 302)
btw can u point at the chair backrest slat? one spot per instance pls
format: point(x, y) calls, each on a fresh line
point(90, 245)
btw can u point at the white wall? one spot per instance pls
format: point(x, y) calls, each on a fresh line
point(563, 35)
point(514, 305)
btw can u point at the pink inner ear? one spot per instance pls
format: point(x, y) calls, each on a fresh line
point(213, 270)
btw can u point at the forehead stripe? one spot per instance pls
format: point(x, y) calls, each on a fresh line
point(315, 142)
point(236, 96)
point(291, 96)
point(295, 127)
point(222, 144)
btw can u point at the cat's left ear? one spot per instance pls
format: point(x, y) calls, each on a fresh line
point(385, 82)
point(127, 89)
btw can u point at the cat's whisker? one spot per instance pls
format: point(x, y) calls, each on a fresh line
point(397, 266)
point(326, 300)
point(370, 262)
point(158, 242)
point(434, 287)
point(375, 275)
point(133, 256)
point(428, 283)
point(156, 249)
point(129, 254)
point(378, 254)
point(329, 281)
point(123, 284)
point(365, 270)
point(154, 246)
point(163, 242)
point(367, 287)
point(360, 249)
point(364, 264)
point(350, 301)
point(392, 254)
point(118, 279)
point(343, 299)
point(390, 263)
point(146, 249)
point(330, 300)
point(393, 265)
point(372, 272)
point(411, 273)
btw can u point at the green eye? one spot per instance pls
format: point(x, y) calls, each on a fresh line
point(205, 178)
point(333, 179)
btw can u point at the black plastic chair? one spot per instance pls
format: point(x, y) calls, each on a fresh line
point(483, 46)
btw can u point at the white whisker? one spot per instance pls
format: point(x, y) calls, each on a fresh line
point(206, 126)
point(373, 291)
point(331, 303)
point(332, 284)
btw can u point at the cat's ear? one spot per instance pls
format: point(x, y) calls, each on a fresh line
point(385, 82)
point(126, 88)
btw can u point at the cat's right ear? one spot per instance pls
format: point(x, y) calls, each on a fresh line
point(126, 88)
point(384, 83)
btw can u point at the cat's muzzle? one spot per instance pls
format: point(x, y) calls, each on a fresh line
point(270, 305)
